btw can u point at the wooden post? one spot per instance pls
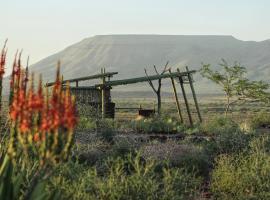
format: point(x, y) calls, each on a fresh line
point(103, 106)
point(185, 98)
point(194, 94)
point(77, 83)
point(176, 99)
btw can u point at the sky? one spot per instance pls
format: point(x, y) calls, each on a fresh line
point(44, 27)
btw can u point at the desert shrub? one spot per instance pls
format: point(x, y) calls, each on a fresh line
point(227, 137)
point(231, 142)
point(123, 146)
point(186, 156)
point(90, 157)
point(158, 124)
point(219, 125)
point(196, 161)
point(105, 124)
point(86, 123)
point(90, 151)
point(245, 175)
point(196, 129)
point(107, 134)
point(261, 120)
point(139, 182)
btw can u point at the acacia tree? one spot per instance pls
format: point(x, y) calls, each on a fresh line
point(235, 85)
point(158, 90)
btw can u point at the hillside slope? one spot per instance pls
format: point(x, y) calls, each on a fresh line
point(130, 54)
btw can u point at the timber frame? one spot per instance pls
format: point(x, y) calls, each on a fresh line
point(106, 84)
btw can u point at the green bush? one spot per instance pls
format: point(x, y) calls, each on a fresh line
point(261, 120)
point(231, 142)
point(243, 176)
point(126, 178)
point(123, 146)
point(196, 161)
point(186, 156)
point(219, 125)
point(158, 124)
point(107, 135)
point(86, 123)
point(227, 137)
point(24, 182)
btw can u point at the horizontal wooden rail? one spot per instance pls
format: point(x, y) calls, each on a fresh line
point(122, 108)
point(145, 78)
point(96, 76)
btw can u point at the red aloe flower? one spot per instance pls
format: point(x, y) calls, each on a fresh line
point(3, 60)
point(36, 137)
point(12, 79)
point(69, 117)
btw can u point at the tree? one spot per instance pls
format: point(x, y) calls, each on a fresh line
point(158, 90)
point(235, 85)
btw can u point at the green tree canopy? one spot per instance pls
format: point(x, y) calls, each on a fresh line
point(233, 81)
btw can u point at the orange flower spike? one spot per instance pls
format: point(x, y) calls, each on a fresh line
point(58, 82)
point(40, 97)
point(31, 95)
point(3, 60)
point(55, 101)
point(17, 105)
point(36, 137)
point(12, 80)
point(25, 79)
point(14, 110)
point(45, 118)
point(25, 125)
point(19, 66)
point(69, 116)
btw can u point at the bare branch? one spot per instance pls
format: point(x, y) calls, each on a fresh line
point(166, 68)
point(156, 69)
point(150, 82)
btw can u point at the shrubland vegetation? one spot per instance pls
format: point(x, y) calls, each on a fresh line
point(52, 151)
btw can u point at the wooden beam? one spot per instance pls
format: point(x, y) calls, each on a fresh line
point(176, 99)
point(194, 95)
point(181, 81)
point(145, 78)
point(123, 81)
point(103, 100)
point(96, 76)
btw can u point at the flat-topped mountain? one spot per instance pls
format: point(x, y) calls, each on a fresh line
point(130, 54)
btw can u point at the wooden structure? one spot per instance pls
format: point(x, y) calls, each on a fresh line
point(99, 95)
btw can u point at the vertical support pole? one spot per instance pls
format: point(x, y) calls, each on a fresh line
point(185, 97)
point(77, 83)
point(194, 94)
point(176, 99)
point(103, 106)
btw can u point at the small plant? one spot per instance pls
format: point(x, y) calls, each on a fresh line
point(189, 157)
point(227, 137)
point(158, 124)
point(86, 123)
point(123, 146)
point(243, 176)
point(219, 125)
point(261, 120)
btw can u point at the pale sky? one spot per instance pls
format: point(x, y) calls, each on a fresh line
point(45, 27)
